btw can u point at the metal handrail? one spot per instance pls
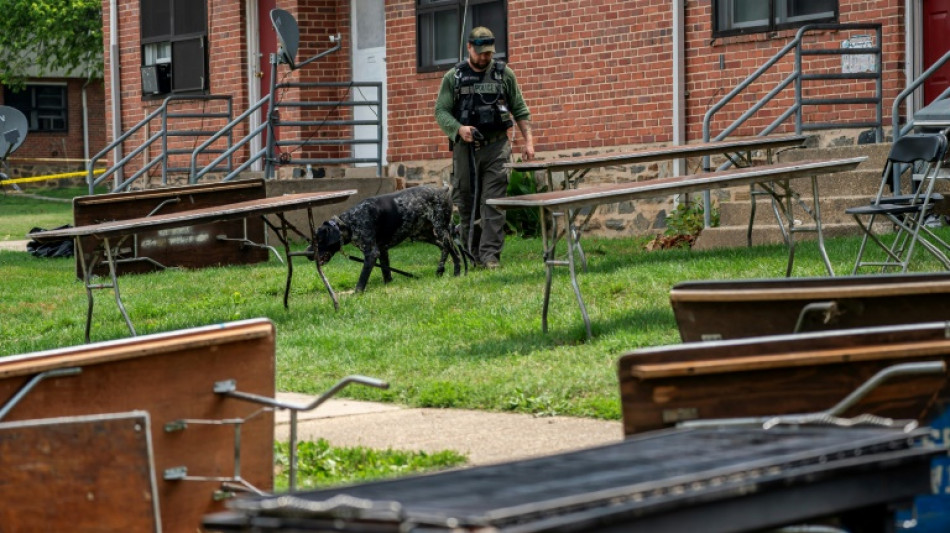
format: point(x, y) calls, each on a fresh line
point(161, 135)
point(273, 121)
point(310, 141)
point(899, 132)
point(195, 174)
point(797, 76)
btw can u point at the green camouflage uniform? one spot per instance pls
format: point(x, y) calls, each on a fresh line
point(490, 158)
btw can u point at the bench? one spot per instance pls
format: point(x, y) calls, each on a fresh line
point(733, 309)
point(784, 375)
point(109, 237)
point(64, 414)
point(739, 152)
point(560, 209)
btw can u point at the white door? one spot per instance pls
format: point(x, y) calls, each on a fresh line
point(369, 64)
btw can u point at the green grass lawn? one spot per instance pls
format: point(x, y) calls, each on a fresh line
point(470, 342)
point(20, 213)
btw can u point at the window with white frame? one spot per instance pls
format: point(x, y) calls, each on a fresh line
point(45, 106)
point(443, 25)
point(174, 37)
point(731, 17)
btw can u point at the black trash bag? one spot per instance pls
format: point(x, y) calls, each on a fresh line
point(60, 248)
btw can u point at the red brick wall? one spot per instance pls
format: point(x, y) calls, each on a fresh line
point(68, 144)
point(228, 75)
point(598, 73)
point(318, 20)
point(742, 55)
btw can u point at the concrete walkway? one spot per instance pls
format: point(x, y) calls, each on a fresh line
point(13, 246)
point(483, 437)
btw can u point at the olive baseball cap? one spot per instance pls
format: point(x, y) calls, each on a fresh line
point(482, 39)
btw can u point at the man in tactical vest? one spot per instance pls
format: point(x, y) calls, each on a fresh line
point(479, 100)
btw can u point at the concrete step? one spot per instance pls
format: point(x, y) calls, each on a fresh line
point(251, 174)
point(861, 183)
point(735, 236)
point(838, 192)
point(853, 183)
point(832, 210)
point(876, 154)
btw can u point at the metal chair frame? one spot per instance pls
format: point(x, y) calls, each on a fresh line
point(907, 212)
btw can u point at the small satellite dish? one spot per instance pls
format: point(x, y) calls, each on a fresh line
point(288, 34)
point(13, 126)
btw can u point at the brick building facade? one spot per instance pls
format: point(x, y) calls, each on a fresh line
point(598, 75)
point(60, 147)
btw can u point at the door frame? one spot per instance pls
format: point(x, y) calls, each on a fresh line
point(383, 96)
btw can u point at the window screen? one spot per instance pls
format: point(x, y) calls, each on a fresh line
point(174, 32)
point(45, 106)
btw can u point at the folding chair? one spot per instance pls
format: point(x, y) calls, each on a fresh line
point(912, 164)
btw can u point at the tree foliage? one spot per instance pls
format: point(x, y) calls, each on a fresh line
point(51, 35)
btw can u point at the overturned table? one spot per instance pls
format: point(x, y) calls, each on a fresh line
point(111, 235)
point(566, 205)
point(710, 480)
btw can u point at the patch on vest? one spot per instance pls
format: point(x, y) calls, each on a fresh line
point(485, 88)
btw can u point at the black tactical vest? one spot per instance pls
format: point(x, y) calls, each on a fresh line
point(480, 98)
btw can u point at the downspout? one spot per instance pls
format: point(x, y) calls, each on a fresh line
point(85, 122)
point(679, 83)
point(253, 76)
point(911, 58)
point(114, 87)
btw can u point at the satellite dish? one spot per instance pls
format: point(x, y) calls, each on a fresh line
point(13, 126)
point(288, 35)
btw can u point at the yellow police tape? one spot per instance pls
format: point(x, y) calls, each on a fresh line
point(52, 177)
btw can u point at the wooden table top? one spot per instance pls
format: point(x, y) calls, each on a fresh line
point(659, 154)
point(587, 196)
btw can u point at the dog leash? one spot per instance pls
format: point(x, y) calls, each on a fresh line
point(359, 259)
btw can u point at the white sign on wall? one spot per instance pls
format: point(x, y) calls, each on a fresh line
point(851, 64)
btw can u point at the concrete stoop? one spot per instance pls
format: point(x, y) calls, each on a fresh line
point(736, 236)
point(838, 192)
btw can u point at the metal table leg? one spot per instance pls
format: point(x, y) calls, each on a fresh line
point(282, 233)
point(87, 272)
point(571, 232)
point(784, 198)
point(571, 180)
point(549, 240)
point(550, 235)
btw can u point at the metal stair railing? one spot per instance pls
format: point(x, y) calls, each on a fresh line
point(898, 131)
point(195, 174)
point(285, 158)
point(797, 77)
point(116, 171)
point(271, 154)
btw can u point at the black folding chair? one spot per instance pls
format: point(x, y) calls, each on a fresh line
point(913, 165)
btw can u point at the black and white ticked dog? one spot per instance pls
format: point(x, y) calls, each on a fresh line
point(377, 224)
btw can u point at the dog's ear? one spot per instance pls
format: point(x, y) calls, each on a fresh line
point(328, 237)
